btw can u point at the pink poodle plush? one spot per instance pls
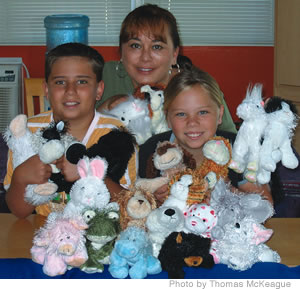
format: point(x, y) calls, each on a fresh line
point(60, 243)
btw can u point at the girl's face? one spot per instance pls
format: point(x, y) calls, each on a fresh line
point(194, 117)
point(148, 60)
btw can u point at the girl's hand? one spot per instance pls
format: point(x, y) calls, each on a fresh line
point(161, 193)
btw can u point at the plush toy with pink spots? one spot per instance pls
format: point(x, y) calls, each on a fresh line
point(200, 219)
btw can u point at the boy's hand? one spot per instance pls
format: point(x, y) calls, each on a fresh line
point(67, 169)
point(33, 171)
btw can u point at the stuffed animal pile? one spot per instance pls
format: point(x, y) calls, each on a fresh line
point(204, 220)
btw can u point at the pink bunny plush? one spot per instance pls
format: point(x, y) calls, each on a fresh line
point(60, 243)
point(90, 190)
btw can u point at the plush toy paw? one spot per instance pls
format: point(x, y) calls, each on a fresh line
point(252, 166)
point(119, 272)
point(250, 176)
point(211, 178)
point(290, 161)
point(236, 166)
point(46, 189)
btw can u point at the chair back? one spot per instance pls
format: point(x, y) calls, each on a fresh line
point(34, 89)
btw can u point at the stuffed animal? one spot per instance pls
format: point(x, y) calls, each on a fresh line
point(117, 147)
point(232, 207)
point(200, 220)
point(25, 144)
point(134, 114)
point(135, 205)
point(282, 120)
point(217, 153)
point(180, 249)
point(132, 255)
point(243, 245)
point(90, 190)
point(158, 119)
point(59, 244)
point(179, 193)
point(160, 223)
point(246, 148)
point(169, 158)
point(104, 228)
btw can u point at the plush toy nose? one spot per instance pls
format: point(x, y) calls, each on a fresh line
point(169, 212)
point(141, 202)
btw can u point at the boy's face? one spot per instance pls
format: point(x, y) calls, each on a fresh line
point(72, 89)
point(194, 117)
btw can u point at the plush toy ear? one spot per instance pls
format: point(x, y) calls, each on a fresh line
point(79, 223)
point(98, 167)
point(82, 168)
point(75, 152)
point(261, 235)
point(18, 125)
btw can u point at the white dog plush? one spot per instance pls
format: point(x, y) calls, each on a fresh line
point(160, 223)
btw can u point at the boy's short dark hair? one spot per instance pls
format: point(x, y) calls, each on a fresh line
point(75, 49)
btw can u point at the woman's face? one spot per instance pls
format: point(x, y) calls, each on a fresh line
point(194, 117)
point(148, 60)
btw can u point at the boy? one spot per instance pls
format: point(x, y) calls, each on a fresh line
point(73, 84)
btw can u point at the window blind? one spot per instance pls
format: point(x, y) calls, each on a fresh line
point(201, 22)
point(223, 22)
point(22, 21)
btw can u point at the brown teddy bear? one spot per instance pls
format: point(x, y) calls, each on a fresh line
point(168, 160)
point(135, 205)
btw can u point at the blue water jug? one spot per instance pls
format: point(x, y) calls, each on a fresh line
point(64, 28)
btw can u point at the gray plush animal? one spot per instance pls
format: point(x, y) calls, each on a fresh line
point(231, 208)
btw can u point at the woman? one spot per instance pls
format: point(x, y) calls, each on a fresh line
point(149, 46)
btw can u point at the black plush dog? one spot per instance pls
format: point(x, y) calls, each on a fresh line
point(117, 147)
point(181, 249)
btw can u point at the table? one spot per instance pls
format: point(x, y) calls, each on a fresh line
point(16, 240)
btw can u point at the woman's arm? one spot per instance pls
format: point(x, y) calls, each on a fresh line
point(264, 190)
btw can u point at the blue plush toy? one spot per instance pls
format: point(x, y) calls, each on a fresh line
point(132, 254)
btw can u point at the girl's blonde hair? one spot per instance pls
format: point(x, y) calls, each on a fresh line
point(187, 79)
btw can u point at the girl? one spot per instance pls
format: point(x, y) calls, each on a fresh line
point(193, 108)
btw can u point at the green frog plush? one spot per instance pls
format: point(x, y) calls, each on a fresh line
point(104, 228)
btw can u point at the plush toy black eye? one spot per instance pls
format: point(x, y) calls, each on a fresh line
point(237, 225)
point(68, 237)
point(123, 118)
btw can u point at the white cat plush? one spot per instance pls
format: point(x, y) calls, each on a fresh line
point(282, 120)
point(134, 114)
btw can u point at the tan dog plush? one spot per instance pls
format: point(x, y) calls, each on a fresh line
point(135, 205)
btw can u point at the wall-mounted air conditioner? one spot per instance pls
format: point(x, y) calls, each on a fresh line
point(11, 89)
